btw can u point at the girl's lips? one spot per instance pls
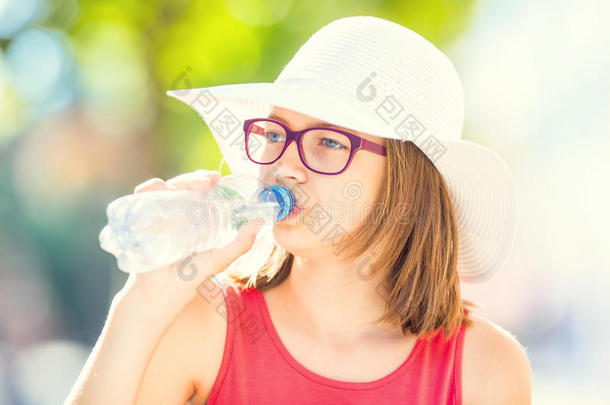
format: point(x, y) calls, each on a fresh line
point(294, 213)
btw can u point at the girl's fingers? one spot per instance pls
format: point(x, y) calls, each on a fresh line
point(151, 185)
point(197, 175)
point(197, 180)
point(190, 185)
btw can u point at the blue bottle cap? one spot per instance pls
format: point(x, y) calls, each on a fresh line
point(283, 196)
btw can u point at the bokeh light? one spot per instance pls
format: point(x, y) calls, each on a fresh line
point(16, 14)
point(259, 12)
point(41, 69)
point(115, 80)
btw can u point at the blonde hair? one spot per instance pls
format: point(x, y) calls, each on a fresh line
point(420, 257)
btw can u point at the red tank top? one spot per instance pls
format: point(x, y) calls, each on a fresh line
point(257, 368)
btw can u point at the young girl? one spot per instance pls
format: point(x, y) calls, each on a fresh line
point(359, 300)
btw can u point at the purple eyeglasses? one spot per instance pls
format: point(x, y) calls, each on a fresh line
point(323, 150)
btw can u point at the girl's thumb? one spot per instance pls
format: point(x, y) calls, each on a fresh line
point(222, 257)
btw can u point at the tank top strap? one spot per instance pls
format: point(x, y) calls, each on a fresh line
point(457, 365)
point(441, 361)
point(244, 327)
point(240, 311)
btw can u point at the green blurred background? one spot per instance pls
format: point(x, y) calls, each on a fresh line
point(84, 118)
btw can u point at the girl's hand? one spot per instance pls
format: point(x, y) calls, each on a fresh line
point(168, 289)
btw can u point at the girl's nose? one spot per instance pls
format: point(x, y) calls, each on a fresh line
point(290, 164)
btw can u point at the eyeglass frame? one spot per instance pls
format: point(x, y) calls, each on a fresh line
point(356, 143)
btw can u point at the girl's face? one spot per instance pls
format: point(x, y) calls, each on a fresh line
point(333, 205)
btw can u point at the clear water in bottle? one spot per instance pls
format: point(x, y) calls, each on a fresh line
point(153, 229)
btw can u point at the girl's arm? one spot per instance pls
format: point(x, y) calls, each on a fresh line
point(117, 364)
point(149, 319)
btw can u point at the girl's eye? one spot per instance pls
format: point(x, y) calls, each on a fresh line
point(272, 136)
point(333, 144)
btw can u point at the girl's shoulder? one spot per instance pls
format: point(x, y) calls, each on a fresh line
point(201, 328)
point(187, 358)
point(211, 322)
point(495, 366)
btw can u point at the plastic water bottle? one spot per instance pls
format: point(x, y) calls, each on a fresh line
point(153, 229)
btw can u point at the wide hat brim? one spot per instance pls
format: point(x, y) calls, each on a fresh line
point(481, 186)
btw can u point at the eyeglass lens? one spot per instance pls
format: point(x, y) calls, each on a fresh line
point(323, 150)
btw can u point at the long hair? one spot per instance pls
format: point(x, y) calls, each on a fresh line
point(414, 225)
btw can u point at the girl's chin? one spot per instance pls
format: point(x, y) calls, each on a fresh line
point(293, 243)
point(286, 234)
point(288, 222)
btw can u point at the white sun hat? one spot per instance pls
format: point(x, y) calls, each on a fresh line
point(375, 76)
